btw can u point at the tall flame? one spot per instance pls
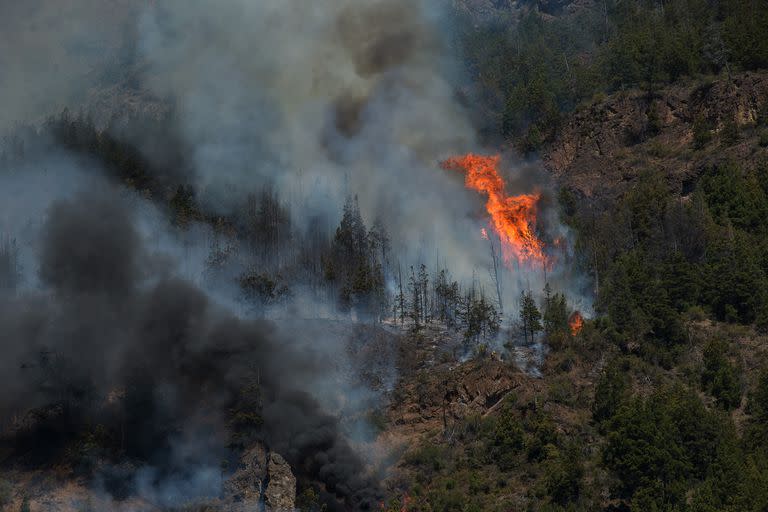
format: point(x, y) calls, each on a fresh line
point(513, 217)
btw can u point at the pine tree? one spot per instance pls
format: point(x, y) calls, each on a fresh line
point(415, 292)
point(353, 264)
point(380, 243)
point(400, 300)
point(481, 320)
point(423, 284)
point(555, 317)
point(530, 317)
point(555, 313)
point(447, 297)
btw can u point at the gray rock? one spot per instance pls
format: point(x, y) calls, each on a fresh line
point(246, 486)
point(264, 481)
point(280, 495)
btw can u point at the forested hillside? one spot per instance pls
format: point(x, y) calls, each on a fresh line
point(531, 69)
point(275, 286)
point(657, 138)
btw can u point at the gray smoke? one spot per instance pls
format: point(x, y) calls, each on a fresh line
point(321, 100)
point(58, 54)
point(104, 318)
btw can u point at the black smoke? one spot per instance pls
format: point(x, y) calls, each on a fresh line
point(112, 339)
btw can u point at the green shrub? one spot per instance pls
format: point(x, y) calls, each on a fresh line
point(611, 391)
point(562, 391)
point(505, 439)
point(658, 149)
point(729, 134)
point(720, 377)
point(543, 441)
point(563, 477)
point(702, 132)
point(762, 138)
point(670, 433)
point(428, 456)
point(308, 500)
point(655, 123)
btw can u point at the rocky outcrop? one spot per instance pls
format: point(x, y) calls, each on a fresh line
point(603, 147)
point(246, 486)
point(263, 478)
point(280, 492)
point(450, 391)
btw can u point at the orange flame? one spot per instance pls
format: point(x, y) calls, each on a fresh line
point(576, 322)
point(513, 217)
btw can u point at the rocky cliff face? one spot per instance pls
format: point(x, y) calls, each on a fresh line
point(263, 478)
point(264, 481)
point(280, 492)
point(606, 145)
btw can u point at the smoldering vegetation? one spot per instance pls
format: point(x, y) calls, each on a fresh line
point(118, 368)
point(291, 171)
point(346, 99)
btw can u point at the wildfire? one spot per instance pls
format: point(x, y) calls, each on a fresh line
point(513, 217)
point(576, 322)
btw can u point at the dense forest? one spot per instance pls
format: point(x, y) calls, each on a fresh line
point(674, 419)
point(348, 265)
point(658, 401)
point(532, 73)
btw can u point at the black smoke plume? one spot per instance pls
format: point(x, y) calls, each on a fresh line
point(113, 339)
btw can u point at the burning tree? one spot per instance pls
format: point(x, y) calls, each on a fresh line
point(513, 217)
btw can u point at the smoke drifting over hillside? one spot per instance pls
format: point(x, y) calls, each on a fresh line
point(321, 100)
point(105, 319)
point(334, 98)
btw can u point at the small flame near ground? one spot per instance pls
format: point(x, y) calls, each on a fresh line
point(513, 217)
point(576, 322)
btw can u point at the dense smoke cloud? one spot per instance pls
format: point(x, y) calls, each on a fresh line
point(321, 100)
point(104, 318)
point(57, 54)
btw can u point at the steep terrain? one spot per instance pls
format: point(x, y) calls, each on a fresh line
point(680, 131)
point(659, 401)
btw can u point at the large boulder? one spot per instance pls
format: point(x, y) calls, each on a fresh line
point(280, 494)
point(263, 478)
point(246, 486)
